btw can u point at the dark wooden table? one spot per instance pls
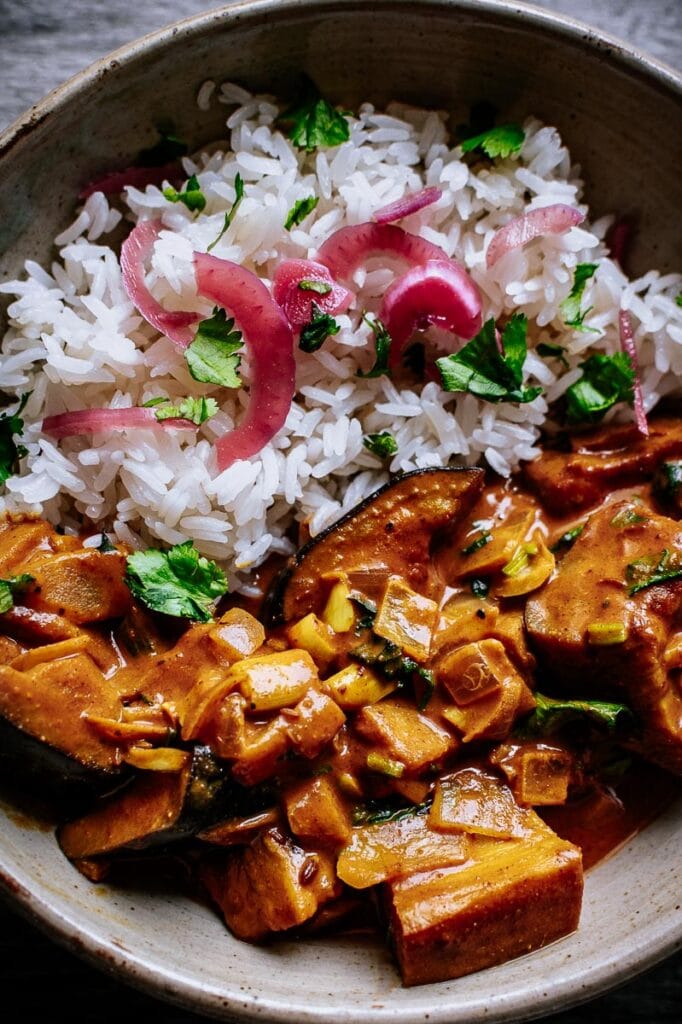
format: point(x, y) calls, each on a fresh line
point(43, 42)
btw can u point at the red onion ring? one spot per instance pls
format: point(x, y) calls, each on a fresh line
point(296, 301)
point(627, 343)
point(101, 421)
point(407, 205)
point(348, 248)
point(518, 232)
point(114, 182)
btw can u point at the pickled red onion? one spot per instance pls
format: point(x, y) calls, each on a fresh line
point(407, 205)
point(134, 251)
point(618, 239)
point(96, 421)
point(627, 343)
point(545, 220)
point(439, 292)
point(270, 344)
point(296, 301)
point(115, 181)
point(348, 248)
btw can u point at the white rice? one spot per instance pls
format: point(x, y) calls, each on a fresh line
point(75, 341)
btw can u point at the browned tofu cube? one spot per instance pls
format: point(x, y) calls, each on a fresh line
point(404, 734)
point(270, 886)
point(313, 723)
point(316, 811)
point(510, 897)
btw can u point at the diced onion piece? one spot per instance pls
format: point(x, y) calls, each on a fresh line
point(438, 292)
point(606, 634)
point(348, 248)
point(477, 802)
point(135, 250)
point(407, 205)
point(114, 182)
point(546, 220)
point(157, 759)
point(627, 343)
point(100, 421)
point(270, 345)
point(297, 302)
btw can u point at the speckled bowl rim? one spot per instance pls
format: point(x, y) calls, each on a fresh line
point(654, 943)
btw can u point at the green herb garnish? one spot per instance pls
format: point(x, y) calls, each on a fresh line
point(229, 216)
point(315, 333)
point(192, 197)
point(374, 813)
point(548, 350)
point(652, 570)
point(481, 369)
point(480, 588)
point(11, 586)
point(570, 307)
point(668, 482)
point(550, 715)
point(11, 426)
point(211, 356)
point(314, 122)
point(483, 538)
point(178, 582)
point(388, 659)
point(382, 445)
point(628, 516)
point(678, 299)
point(568, 539)
point(606, 380)
point(382, 348)
point(503, 141)
point(299, 211)
point(321, 287)
point(197, 410)
point(105, 547)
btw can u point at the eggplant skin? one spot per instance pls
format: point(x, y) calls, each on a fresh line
point(394, 528)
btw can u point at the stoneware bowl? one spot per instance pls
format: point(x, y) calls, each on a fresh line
point(616, 109)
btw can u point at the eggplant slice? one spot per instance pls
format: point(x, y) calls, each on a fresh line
point(392, 532)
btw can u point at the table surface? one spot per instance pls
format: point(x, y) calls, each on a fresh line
point(44, 42)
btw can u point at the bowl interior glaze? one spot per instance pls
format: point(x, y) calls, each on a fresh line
point(615, 111)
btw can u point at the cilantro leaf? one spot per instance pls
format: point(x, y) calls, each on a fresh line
point(570, 307)
point(606, 380)
point(652, 570)
point(193, 198)
point(315, 333)
point(229, 216)
point(568, 539)
point(314, 121)
point(503, 141)
point(382, 348)
point(198, 410)
point(481, 369)
point(178, 582)
point(388, 659)
point(382, 445)
point(299, 211)
point(374, 813)
point(484, 537)
point(678, 299)
point(211, 356)
point(548, 350)
point(320, 287)
point(12, 586)
point(168, 148)
point(10, 426)
point(550, 715)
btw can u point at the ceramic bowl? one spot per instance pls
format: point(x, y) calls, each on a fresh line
point(614, 108)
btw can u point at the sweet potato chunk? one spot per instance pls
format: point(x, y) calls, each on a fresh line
point(270, 886)
point(510, 897)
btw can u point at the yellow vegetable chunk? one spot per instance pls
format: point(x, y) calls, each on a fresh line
point(275, 681)
point(238, 635)
point(314, 636)
point(533, 570)
point(394, 849)
point(406, 619)
point(404, 734)
point(477, 802)
point(339, 612)
point(489, 558)
point(510, 897)
point(356, 685)
point(157, 759)
point(316, 811)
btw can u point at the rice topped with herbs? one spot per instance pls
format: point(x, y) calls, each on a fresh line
point(270, 194)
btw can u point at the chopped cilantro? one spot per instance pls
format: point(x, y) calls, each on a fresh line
point(678, 299)
point(105, 547)
point(314, 122)
point(321, 287)
point(382, 445)
point(480, 588)
point(570, 307)
point(315, 333)
point(374, 813)
point(568, 539)
point(229, 216)
point(480, 368)
point(198, 410)
point(550, 715)
point(178, 582)
point(299, 211)
point(503, 141)
point(388, 659)
point(606, 380)
point(193, 198)
point(628, 517)
point(548, 350)
point(10, 426)
point(652, 570)
point(382, 348)
point(211, 356)
point(168, 148)
point(668, 482)
point(10, 587)
point(480, 542)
